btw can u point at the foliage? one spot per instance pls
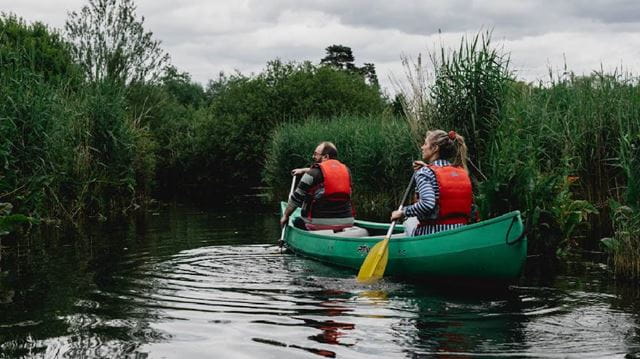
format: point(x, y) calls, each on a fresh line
point(341, 57)
point(110, 42)
point(37, 48)
point(629, 160)
point(33, 101)
point(67, 148)
point(228, 138)
point(182, 88)
point(470, 87)
point(100, 145)
point(625, 244)
point(380, 164)
point(8, 221)
point(413, 100)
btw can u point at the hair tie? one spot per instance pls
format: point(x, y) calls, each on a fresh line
point(452, 134)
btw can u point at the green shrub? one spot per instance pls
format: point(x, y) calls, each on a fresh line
point(228, 141)
point(36, 49)
point(67, 148)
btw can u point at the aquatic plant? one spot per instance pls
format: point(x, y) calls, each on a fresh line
point(68, 148)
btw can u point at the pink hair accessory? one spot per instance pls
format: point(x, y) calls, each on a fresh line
point(452, 135)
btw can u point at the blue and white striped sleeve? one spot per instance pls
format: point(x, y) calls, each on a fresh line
point(425, 182)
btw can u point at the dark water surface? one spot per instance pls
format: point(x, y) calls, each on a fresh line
point(190, 283)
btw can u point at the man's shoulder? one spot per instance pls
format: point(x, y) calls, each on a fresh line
point(315, 173)
point(314, 170)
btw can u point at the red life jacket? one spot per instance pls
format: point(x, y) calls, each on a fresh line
point(337, 181)
point(456, 195)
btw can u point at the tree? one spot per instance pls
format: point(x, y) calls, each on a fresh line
point(339, 56)
point(368, 70)
point(110, 42)
point(182, 88)
point(36, 49)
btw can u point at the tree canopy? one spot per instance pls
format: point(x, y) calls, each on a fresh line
point(341, 57)
point(110, 42)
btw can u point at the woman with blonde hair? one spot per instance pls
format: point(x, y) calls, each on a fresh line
point(443, 185)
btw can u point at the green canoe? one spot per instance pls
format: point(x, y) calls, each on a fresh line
point(493, 250)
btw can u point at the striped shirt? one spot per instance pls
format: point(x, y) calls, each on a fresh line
point(324, 212)
point(426, 207)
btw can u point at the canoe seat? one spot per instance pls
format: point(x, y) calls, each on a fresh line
point(354, 231)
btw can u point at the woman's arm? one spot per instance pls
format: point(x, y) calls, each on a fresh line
point(425, 181)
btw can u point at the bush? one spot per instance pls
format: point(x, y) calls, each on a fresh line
point(36, 75)
point(229, 138)
point(66, 148)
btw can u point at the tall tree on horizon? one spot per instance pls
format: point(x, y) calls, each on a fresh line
point(109, 41)
point(339, 56)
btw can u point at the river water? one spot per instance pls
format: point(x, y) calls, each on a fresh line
point(183, 282)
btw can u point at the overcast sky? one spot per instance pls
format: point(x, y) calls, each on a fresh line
point(204, 37)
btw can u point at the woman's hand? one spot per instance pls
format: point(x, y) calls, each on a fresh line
point(418, 165)
point(398, 214)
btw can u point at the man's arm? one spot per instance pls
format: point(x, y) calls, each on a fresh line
point(299, 195)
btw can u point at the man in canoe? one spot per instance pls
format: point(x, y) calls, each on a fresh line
point(443, 185)
point(324, 193)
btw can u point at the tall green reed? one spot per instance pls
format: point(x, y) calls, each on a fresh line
point(67, 148)
point(470, 86)
point(625, 244)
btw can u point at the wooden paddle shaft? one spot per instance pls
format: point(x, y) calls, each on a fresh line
point(293, 186)
point(404, 199)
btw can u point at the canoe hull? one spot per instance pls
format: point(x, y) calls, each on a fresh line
point(480, 251)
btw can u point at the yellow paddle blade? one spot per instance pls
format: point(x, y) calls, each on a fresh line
point(375, 263)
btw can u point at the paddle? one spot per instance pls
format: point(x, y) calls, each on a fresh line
point(293, 185)
point(375, 263)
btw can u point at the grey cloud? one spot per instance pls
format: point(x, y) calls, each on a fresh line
point(517, 18)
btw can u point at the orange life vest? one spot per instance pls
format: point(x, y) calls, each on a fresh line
point(336, 184)
point(337, 181)
point(456, 195)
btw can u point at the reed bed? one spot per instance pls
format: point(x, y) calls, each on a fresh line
point(68, 148)
point(552, 150)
